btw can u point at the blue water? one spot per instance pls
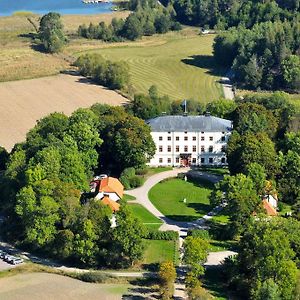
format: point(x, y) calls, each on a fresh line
point(8, 7)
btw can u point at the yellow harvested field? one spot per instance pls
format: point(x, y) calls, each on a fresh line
point(24, 102)
point(44, 286)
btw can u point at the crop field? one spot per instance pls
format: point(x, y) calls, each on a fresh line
point(24, 102)
point(42, 286)
point(180, 64)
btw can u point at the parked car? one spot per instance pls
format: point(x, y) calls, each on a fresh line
point(17, 261)
point(2, 253)
point(8, 258)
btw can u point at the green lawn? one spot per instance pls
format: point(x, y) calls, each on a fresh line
point(149, 220)
point(127, 197)
point(180, 64)
point(215, 171)
point(168, 195)
point(159, 251)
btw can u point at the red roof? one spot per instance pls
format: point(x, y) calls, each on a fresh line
point(112, 204)
point(270, 210)
point(111, 185)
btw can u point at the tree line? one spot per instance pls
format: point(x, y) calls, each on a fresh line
point(223, 14)
point(114, 75)
point(146, 20)
point(265, 56)
point(263, 157)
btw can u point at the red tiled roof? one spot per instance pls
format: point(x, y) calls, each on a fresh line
point(270, 210)
point(112, 204)
point(111, 185)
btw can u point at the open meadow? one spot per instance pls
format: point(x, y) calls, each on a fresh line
point(21, 60)
point(179, 63)
point(24, 102)
point(44, 286)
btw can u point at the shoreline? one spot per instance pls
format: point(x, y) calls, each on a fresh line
point(111, 9)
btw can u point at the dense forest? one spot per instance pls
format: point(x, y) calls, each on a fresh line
point(230, 13)
point(144, 21)
point(266, 56)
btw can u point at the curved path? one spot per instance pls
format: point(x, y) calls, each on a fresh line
point(141, 194)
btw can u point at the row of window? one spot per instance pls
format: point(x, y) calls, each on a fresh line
point(194, 138)
point(194, 160)
point(194, 148)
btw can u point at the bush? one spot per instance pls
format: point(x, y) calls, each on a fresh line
point(203, 234)
point(136, 181)
point(141, 172)
point(169, 235)
point(95, 277)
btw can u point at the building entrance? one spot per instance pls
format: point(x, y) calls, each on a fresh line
point(185, 159)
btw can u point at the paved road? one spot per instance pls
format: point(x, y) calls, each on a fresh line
point(227, 88)
point(216, 258)
point(141, 195)
point(182, 228)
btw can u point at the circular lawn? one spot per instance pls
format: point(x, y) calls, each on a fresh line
point(180, 200)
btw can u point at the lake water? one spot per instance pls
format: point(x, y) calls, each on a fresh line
point(8, 7)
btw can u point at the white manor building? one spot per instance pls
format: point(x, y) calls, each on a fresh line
point(190, 140)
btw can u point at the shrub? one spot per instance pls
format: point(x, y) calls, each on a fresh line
point(141, 172)
point(95, 277)
point(136, 181)
point(167, 276)
point(203, 234)
point(169, 235)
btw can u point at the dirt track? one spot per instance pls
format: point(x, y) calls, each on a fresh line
point(24, 102)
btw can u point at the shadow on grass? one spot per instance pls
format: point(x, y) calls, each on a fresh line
point(204, 62)
point(214, 282)
point(200, 208)
point(181, 218)
point(143, 288)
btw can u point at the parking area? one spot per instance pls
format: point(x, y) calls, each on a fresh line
point(5, 266)
point(8, 261)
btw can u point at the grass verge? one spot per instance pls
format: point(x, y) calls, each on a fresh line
point(149, 220)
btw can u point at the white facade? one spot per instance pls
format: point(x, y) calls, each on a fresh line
point(195, 148)
point(112, 196)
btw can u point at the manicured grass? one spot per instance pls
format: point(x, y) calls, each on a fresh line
point(222, 218)
point(180, 64)
point(168, 197)
point(159, 251)
point(149, 220)
point(215, 171)
point(127, 197)
point(151, 171)
point(216, 245)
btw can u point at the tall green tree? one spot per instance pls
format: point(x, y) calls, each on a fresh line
point(241, 197)
point(51, 32)
point(127, 238)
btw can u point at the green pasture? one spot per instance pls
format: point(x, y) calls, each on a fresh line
point(181, 66)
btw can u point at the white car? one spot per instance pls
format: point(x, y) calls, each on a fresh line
point(17, 261)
